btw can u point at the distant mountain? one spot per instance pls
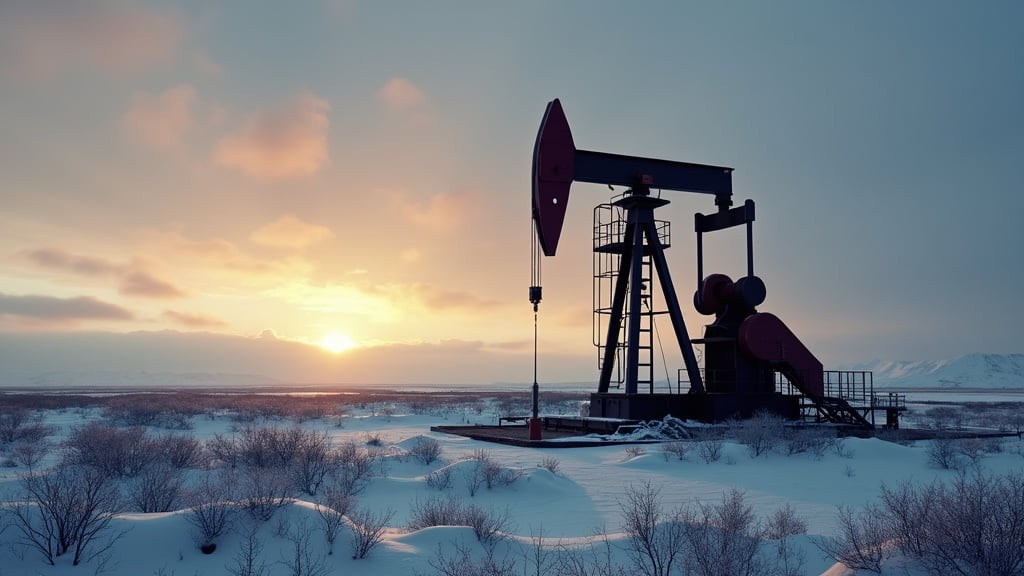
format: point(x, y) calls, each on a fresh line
point(969, 371)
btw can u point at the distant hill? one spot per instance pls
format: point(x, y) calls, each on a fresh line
point(968, 371)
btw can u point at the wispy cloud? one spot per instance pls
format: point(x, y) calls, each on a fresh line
point(193, 320)
point(290, 231)
point(161, 120)
point(401, 95)
point(132, 279)
point(439, 212)
point(60, 310)
point(288, 141)
point(43, 39)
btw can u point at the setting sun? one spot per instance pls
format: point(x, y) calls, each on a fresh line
point(336, 342)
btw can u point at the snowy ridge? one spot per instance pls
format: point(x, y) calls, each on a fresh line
point(968, 371)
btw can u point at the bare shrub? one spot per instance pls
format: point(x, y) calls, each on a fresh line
point(332, 513)
point(972, 526)
point(861, 541)
point(353, 468)
point(634, 452)
point(20, 425)
point(657, 539)
point(156, 489)
point(781, 525)
point(435, 511)
point(486, 471)
point(462, 563)
point(210, 510)
point(116, 452)
point(303, 559)
point(368, 530)
point(550, 463)
point(488, 526)
point(262, 491)
point(67, 510)
point(29, 454)
point(760, 433)
point(942, 453)
point(248, 559)
point(723, 539)
point(590, 560)
point(179, 451)
point(677, 448)
point(944, 418)
point(426, 450)
point(709, 447)
point(440, 479)
point(311, 462)
point(972, 449)
point(813, 441)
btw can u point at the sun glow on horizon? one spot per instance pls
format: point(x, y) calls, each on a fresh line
point(337, 342)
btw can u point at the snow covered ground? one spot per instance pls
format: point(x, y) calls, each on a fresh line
point(562, 509)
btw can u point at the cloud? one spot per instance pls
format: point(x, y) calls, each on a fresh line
point(51, 309)
point(401, 95)
point(193, 320)
point(56, 258)
point(289, 141)
point(290, 232)
point(161, 120)
point(133, 279)
point(143, 284)
point(441, 212)
point(43, 39)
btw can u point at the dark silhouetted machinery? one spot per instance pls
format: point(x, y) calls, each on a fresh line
point(751, 360)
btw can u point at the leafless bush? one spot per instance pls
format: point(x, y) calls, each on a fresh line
point(550, 463)
point(677, 448)
point(462, 563)
point(19, 425)
point(332, 513)
point(426, 450)
point(262, 491)
point(116, 452)
point(944, 418)
point(353, 468)
point(634, 452)
point(303, 559)
point(247, 560)
point(657, 538)
point(781, 525)
point(440, 479)
point(488, 526)
point(761, 433)
point(973, 526)
point(486, 471)
point(158, 488)
point(435, 511)
point(311, 462)
point(972, 449)
point(861, 544)
point(29, 454)
point(590, 560)
point(942, 453)
point(368, 530)
point(67, 509)
point(709, 447)
point(813, 441)
point(210, 510)
point(179, 451)
point(722, 539)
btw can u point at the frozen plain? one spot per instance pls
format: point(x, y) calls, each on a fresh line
point(566, 508)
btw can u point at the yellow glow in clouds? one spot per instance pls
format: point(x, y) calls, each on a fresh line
point(336, 342)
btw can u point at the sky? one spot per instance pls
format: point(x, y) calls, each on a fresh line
point(250, 187)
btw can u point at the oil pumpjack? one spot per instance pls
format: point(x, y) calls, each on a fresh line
point(752, 360)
